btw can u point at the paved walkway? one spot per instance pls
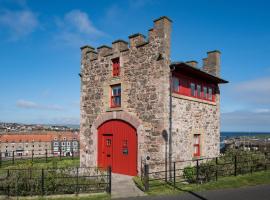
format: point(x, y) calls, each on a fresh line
point(123, 186)
point(261, 192)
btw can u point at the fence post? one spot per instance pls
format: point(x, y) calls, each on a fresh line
point(216, 168)
point(109, 175)
point(141, 169)
point(77, 180)
point(13, 158)
point(0, 159)
point(46, 155)
point(174, 177)
point(166, 169)
point(197, 171)
point(8, 174)
point(146, 177)
point(60, 153)
point(235, 165)
point(32, 155)
point(72, 154)
point(265, 161)
point(42, 182)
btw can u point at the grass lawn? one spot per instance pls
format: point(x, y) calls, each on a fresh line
point(69, 197)
point(256, 178)
point(39, 163)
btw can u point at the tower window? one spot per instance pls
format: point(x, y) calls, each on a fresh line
point(196, 145)
point(116, 66)
point(192, 89)
point(115, 96)
point(175, 84)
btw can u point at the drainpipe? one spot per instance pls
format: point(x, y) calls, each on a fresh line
point(172, 68)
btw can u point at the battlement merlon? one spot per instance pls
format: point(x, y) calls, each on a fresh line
point(161, 31)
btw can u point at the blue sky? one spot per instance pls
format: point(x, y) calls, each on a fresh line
point(40, 55)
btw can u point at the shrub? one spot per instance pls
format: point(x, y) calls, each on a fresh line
point(189, 174)
point(246, 162)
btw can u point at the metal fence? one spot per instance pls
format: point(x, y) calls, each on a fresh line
point(202, 170)
point(14, 157)
point(25, 182)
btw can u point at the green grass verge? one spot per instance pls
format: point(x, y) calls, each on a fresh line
point(69, 197)
point(257, 178)
point(39, 163)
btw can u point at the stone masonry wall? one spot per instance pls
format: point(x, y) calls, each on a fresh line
point(195, 117)
point(144, 79)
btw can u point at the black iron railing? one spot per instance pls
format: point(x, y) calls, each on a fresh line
point(202, 170)
point(13, 157)
point(25, 182)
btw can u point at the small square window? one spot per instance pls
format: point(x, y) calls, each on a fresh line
point(210, 94)
point(175, 84)
point(199, 90)
point(108, 142)
point(192, 89)
point(205, 92)
point(115, 96)
point(196, 145)
point(116, 66)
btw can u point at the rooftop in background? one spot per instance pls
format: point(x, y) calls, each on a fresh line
point(46, 136)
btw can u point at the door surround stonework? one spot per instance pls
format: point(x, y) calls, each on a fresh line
point(116, 115)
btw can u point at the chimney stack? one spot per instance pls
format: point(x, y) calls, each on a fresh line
point(211, 64)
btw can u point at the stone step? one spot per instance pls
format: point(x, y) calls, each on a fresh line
point(123, 186)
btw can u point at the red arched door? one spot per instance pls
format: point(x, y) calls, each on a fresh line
point(117, 147)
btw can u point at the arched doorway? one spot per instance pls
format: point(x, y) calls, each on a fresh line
point(117, 147)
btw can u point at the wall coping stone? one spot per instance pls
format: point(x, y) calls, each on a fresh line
point(120, 40)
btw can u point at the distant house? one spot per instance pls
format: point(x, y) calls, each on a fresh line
point(25, 144)
point(136, 104)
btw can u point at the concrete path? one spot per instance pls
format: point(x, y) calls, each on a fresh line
point(123, 186)
point(260, 192)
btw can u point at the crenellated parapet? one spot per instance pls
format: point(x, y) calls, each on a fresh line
point(161, 30)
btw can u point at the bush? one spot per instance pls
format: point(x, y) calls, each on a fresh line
point(246, 162)
point(189, 174)
point(25, 182)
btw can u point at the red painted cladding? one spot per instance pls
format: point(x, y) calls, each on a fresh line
point(184, 87)
point(121, 155)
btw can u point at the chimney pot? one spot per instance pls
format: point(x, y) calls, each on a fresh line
point(192, 63)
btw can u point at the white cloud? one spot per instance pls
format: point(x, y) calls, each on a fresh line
point(81, 22)
point(26, 104)
point(248, 104)
point(32, 105)
point(18, 23)
point(76, 28)
point(262, 110)
point(246, 121)
point(66, 120)
point(255, 92)
point(256, 85)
